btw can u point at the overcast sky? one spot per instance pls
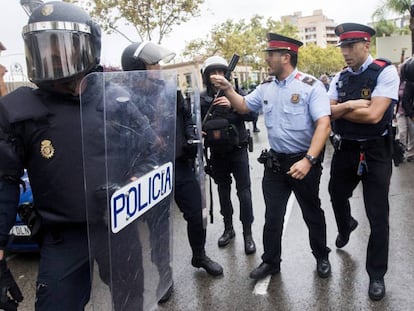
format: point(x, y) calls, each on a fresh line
point(13, 18)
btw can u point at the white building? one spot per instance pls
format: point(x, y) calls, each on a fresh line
point(314, 29)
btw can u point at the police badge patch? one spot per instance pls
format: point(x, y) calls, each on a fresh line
point(46, 149)
point(294, 99)
point(47, 10)
point(365, 93)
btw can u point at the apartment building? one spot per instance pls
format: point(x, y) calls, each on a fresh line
point(313, 29)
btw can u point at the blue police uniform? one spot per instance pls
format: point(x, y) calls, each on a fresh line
point(364, 153)
point(290, 108)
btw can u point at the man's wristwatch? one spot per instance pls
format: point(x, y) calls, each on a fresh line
point(311, 159)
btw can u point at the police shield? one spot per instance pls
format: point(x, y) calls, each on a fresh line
point(192, 95)
point(128, 139)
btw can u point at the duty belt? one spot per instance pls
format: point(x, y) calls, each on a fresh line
point(287, 156)
point(346, 144)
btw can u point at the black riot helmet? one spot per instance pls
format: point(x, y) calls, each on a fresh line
point(407, 70)
point(138, 54)
point(62, 43)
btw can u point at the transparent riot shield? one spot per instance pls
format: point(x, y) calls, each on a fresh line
point(192, 94)
point(128, 138)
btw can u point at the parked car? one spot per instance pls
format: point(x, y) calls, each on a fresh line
point(20, 235)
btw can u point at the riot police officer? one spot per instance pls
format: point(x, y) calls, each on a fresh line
point(228, 154)
point(40, 130)
point(146, 56)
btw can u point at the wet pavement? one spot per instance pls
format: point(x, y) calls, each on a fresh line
point(297, 286)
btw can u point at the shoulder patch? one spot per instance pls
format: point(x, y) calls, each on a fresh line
point(308, 80)
point(379, 64)
point(382, 62)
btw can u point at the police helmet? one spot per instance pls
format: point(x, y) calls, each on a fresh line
point(210, 64)
point(214, 63)
point(62, 43)
point(407, 70)
point(138, 54)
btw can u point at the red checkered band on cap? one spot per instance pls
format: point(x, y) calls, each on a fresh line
point(355, 35)
point(283, 45)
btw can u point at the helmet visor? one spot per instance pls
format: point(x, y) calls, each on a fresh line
point(57, 54)
point(152, 53)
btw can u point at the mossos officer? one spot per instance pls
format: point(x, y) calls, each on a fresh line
point(40, 130)
point(228, 154)
point(296, 113)
point(362, 98)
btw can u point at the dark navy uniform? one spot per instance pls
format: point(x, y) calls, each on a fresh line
point(363, 152)
point(187, 192)
point(41, 131)
point(234, 160)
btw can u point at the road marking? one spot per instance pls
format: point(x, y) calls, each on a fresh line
point(261, 286)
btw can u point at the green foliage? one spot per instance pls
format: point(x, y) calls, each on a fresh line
point(315, 60)
point(247, 39)
point(397, 6)
point(150, 18)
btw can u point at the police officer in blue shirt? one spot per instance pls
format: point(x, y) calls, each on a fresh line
point(296, 114)
point(362, 98)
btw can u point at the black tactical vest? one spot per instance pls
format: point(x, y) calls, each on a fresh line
point(352, 86)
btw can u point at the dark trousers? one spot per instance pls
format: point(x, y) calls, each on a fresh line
point(234, 163)
point(64, 276)
point(277, 187)
point(188, 198)
point(375, 183)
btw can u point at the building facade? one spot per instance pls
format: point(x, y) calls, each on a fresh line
point(313, 29)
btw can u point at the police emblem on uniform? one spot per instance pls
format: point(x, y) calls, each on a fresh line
point(294, 99)
point(340, 29)
point(46, 149)
point(340, 84)
point(365, 93)
point(47, 10)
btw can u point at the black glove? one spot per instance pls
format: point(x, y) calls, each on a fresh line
point(8, 286)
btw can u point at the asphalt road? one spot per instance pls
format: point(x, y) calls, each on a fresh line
point(297, 287)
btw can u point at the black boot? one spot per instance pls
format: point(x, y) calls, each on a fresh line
point(203, 261)
point(249, 245)
point(227, 235)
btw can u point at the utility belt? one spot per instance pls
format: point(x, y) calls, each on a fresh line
point(340, 143)
point(274, 160)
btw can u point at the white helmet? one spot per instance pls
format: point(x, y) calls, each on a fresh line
point(214, 62)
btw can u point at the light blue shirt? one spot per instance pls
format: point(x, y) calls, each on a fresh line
point(387, 83)
point(290, 107)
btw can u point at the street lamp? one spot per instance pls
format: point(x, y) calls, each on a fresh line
point(30, 5)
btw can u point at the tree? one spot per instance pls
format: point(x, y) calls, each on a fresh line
point(247, 39)
point(150, 18)
point(317, 61)
point(400, 7)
